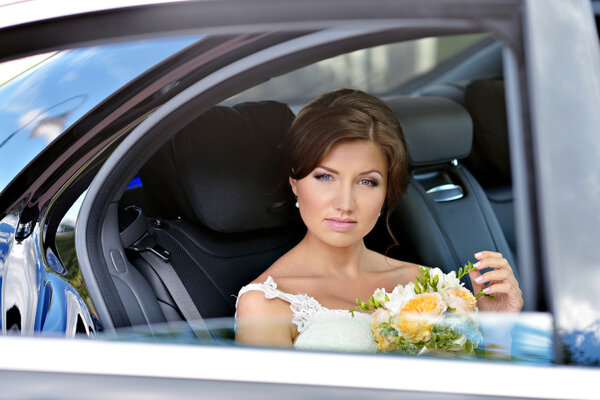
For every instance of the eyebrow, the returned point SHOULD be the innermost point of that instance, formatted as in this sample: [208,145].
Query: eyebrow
[333,171]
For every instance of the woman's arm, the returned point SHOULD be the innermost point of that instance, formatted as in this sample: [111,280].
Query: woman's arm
[262,321]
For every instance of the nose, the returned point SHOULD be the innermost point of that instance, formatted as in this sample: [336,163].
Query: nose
[344,199]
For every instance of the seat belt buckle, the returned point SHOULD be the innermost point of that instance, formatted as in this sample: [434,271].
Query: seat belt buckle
[148,243]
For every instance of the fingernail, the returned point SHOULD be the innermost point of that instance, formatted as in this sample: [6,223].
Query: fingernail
[477,255]
[487,289]
[477,264]
[478,280]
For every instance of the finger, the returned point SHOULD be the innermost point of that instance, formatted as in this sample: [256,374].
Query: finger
[499,288]
[474,275]
[492,262]
[499,275]
[486,253]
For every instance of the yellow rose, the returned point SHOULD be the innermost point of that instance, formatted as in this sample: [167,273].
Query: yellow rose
[418,315]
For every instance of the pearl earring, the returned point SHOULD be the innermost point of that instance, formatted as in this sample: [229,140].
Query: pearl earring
[379,214]
[297,205]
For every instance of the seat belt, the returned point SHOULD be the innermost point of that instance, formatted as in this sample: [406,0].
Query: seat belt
[137,238]
[180,295]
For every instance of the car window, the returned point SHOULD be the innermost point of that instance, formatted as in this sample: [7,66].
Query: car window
[523,338]
[381,70]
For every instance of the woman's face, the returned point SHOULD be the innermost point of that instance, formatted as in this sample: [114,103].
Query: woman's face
[340,200]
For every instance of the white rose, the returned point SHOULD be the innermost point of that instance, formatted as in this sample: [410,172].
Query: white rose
[379,296]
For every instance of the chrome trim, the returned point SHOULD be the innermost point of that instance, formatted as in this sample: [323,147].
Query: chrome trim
[447,192]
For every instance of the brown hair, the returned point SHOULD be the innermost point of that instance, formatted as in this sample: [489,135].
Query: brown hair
[347,115]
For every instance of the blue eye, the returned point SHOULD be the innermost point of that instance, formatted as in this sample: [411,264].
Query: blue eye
[324,177]
[368,182]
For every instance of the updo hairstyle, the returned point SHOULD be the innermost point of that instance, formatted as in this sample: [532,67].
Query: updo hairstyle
[347,115]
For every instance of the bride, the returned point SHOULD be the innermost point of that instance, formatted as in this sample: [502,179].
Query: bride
[347,160]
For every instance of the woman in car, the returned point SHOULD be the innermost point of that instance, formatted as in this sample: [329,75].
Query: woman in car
[348,160]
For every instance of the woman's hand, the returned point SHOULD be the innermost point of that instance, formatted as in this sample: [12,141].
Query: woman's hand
[502,283]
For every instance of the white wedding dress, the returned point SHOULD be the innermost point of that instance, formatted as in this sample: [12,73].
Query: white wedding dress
[320,328]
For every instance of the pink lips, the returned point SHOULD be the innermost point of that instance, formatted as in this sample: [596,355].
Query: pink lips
[340,224]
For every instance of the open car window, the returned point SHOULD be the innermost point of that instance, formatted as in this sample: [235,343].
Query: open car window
[184,218]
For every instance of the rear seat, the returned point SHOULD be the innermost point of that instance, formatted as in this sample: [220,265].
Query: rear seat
[489,161]
[445,216]
[216,186]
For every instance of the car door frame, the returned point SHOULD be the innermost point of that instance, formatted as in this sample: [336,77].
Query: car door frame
[529,129]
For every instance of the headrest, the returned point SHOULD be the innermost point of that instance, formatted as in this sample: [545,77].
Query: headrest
[224,169]
[490,159]
[437,130]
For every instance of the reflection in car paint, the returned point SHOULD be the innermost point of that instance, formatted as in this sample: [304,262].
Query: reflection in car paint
[19,286]
[57,309]
[37,107]
[7,230]
[51,122]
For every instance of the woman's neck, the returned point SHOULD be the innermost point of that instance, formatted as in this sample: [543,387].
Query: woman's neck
[329,259]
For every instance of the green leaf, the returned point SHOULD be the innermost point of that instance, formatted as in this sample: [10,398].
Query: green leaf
[484,294]
[468,267]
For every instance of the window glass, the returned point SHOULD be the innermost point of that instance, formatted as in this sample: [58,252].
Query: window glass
[378,70]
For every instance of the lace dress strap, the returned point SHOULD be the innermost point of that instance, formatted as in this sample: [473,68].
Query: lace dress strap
[302,305]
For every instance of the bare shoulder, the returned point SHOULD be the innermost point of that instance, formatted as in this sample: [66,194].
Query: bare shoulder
[254,304]
[402,271]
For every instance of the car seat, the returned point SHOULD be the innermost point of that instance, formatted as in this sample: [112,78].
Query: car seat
[223,215]
[489,160]
[444,216]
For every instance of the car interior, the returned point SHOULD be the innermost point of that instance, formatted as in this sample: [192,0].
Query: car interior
[211,209]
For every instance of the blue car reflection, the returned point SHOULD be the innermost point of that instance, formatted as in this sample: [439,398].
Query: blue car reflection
[38,105]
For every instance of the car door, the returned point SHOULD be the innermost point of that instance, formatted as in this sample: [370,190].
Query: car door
[557,247]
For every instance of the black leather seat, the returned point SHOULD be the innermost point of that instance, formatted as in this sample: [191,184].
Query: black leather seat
[445,216]
[222,210]
[490,159]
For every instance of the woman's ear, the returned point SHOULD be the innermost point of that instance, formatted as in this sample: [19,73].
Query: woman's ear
[294,185]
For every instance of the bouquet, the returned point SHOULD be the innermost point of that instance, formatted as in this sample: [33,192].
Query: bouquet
[435,313]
